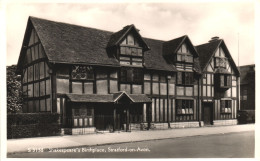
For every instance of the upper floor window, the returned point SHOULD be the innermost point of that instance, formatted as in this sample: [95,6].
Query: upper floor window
[82,72]
[185,78]
[225,80]
[131,75]
[130,52]
[220,58]
[184,55]
[220,62]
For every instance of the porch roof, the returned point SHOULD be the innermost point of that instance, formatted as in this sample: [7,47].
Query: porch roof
[107,98]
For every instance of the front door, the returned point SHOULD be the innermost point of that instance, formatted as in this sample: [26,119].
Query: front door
[208,113]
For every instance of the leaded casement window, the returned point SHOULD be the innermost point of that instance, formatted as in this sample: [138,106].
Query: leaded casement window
[225,80]
[225,106]
[184,107]
[220,59]
[130,52]
[131,75]
[185,78]
[220,62]
[82,72]
[184,59]
[82,79]
[83,117]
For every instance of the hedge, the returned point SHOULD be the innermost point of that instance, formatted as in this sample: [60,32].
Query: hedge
[22,125]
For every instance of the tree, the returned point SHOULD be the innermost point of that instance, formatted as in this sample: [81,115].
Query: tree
[14,91]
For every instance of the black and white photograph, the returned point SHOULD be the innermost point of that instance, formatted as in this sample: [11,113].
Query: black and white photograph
[128,80]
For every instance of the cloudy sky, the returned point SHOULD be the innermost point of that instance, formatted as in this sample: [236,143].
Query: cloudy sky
[164,21]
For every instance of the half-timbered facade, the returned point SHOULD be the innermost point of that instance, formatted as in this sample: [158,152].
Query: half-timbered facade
[219,83]
[99,80]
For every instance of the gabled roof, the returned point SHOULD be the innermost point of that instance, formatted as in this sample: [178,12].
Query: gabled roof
[154,59]
[117,37]
[172,46]
[206,53]
[72,44]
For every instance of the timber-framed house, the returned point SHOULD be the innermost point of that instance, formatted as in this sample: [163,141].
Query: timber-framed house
[100,80]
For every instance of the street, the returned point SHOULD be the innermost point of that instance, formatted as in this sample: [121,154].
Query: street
[231,145]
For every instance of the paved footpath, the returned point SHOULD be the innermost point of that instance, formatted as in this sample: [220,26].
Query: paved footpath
[22,145]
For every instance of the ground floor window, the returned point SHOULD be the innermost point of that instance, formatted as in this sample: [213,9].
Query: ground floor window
[184,107]
[225,106]
[82,117]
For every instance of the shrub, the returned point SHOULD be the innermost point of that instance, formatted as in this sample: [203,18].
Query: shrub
[32,124]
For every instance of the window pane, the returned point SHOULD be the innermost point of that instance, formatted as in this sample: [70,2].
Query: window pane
[40,51]
[125,62]
[42,88]
[41,70]
[46,70]
[30,90]
[113,74]
[101,75]
[48,104]
[77,87]
[42,105]
[147,77]
[36,89]
[222,80]
[140,53]
[30,106]
[179,78]
[36,105]
[25,75]
[134,52]
[101,87]
[75,122]
[155,77]
[88,87]
[189,58]
[48,87]
[30,73]
[129,75]
[90,121]
[36,51]
[33,54]
[128,51]
[36,72]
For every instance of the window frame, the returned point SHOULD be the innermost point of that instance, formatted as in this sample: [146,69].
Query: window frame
[184,81]
[184,107]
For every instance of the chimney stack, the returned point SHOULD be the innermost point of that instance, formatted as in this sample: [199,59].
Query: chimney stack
[214,38]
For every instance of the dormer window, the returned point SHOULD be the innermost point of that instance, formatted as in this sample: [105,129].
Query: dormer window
[130,52]
[183,55]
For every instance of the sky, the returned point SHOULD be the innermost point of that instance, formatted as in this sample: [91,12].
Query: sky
[232,21]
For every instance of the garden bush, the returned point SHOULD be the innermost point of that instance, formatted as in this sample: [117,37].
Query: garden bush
[22,125]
